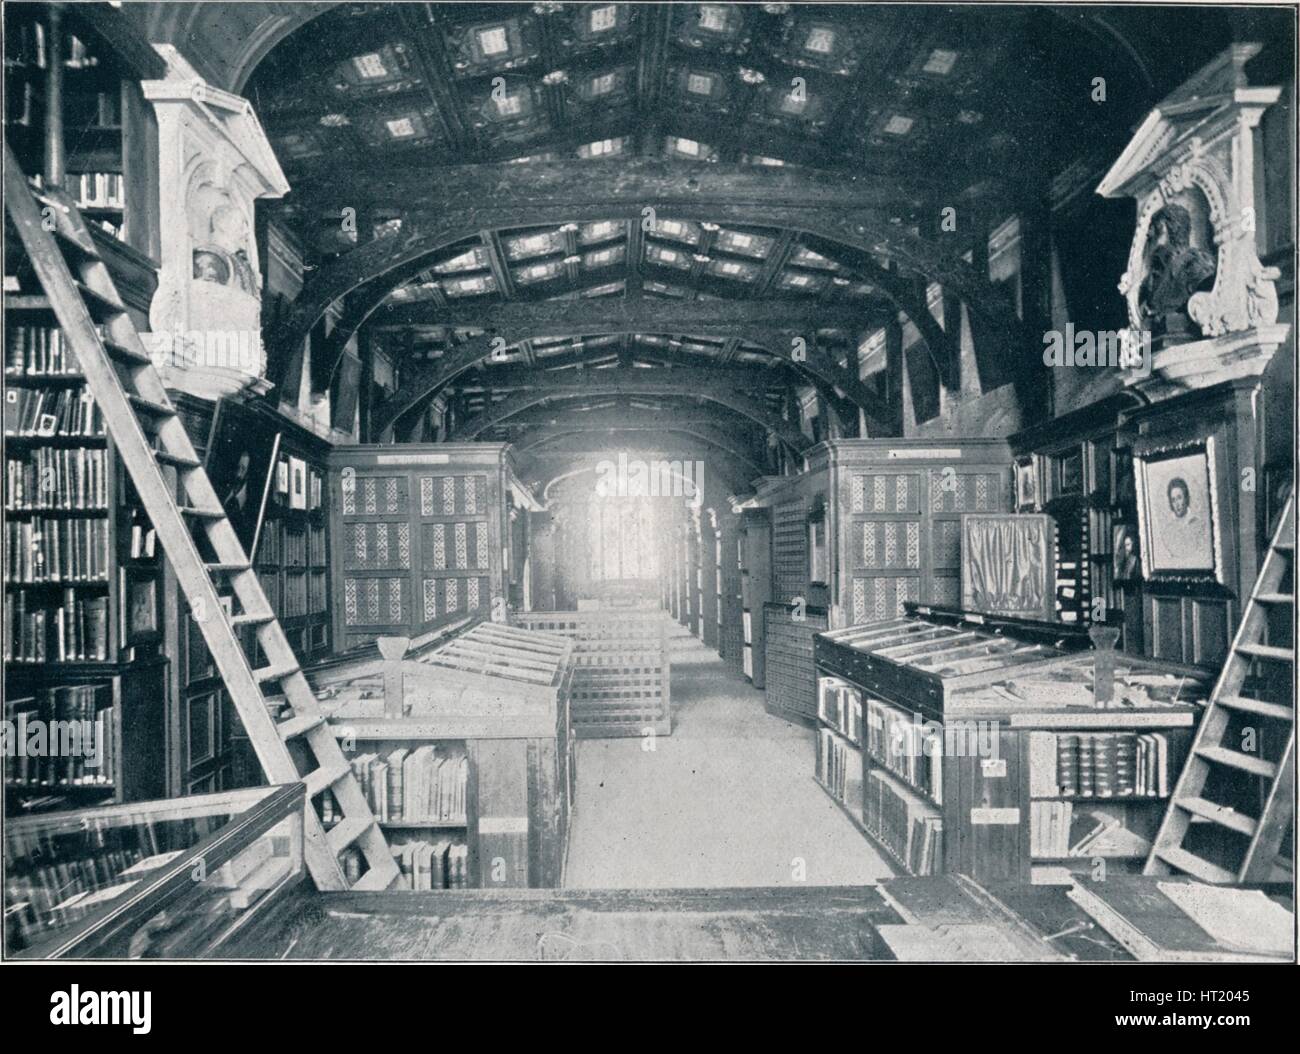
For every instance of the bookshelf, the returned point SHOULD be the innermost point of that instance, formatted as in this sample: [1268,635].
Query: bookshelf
[998,751]
[81,581]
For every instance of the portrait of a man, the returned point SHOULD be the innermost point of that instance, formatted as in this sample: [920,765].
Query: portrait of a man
[1178,517]
[242,452]
[1128,564]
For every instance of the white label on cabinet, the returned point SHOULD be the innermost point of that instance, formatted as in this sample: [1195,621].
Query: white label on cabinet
[995,817]
[993,768]
[938,453]
[412,459]
[503,825]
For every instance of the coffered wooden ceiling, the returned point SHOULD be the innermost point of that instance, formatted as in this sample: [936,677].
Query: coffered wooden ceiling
[927,105]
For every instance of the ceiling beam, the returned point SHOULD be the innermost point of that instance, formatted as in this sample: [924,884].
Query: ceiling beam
[616,437]
[429,190]
[516,378]
[635,314]
[422,383]
[635,382]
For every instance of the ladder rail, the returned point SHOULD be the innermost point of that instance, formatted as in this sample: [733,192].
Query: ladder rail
[1278,806]
[66,295]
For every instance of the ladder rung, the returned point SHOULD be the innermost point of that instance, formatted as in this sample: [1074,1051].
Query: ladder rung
[85,250]
[299,725]
[1285,544]
[100,307]
[1267,651]
[1257,706]
[1276,598]
[275,673]
[202,514]
[227,569]
[1237,760]
[252,619]
[125,354]
[1220,814]
[344,833]
[175,460]
[148,406]
[324,778]
[376,880]
[1194,865]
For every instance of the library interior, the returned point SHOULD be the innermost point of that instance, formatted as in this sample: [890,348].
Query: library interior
[644,481]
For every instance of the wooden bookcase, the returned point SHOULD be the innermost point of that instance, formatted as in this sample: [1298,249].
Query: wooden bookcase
[963,718]
[419,536]
[82,571]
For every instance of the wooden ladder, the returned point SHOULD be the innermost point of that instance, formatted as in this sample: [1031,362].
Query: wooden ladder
[147,433]
[1214,752]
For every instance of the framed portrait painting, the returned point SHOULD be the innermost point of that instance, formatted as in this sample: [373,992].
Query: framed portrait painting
[241,458]
[1178,516]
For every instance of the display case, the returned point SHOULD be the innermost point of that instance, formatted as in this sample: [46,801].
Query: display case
[1002,748]
[461,742]
[160,879]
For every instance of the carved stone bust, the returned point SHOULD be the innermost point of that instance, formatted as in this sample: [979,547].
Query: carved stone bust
[1175,271]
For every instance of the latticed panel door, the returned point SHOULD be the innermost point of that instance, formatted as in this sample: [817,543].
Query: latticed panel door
[886,527]
[376,551]
[456,545]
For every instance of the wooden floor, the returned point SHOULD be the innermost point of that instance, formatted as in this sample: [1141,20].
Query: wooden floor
[727,800]
[531,925]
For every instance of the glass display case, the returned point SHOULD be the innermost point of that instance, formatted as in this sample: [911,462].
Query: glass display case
[162,879]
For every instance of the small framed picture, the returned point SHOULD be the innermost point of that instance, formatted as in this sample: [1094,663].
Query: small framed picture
[314,490]
[297,483]
[1070,468]
[1125,553]
[282,476]
[1097,481]
[1027,497]
[1123,493]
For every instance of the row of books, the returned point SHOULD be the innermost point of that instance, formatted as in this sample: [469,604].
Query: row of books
[56,550]
[419,785]
[51,478]
[903,822]
[79,625]
[49,897]
[41,351]
[839,767]
[1099,764]
[907,747]
[1059,829]
[96,190]
[44,412]
[432,865]
[840,705]
[62,737]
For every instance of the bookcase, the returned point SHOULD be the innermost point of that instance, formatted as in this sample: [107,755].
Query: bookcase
[462,742]
[419,536]
[999,749]
[755,590]
[83,623]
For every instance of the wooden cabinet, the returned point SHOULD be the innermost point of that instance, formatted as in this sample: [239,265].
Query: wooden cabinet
[420,536]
